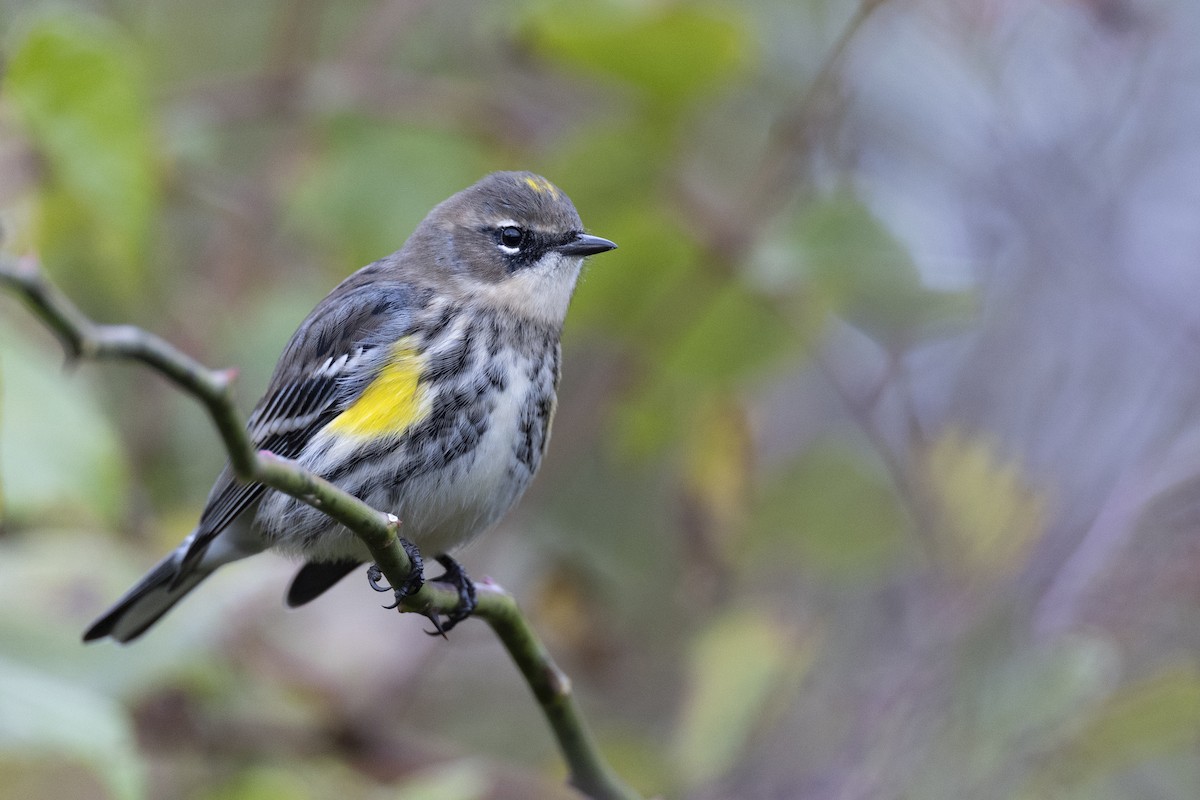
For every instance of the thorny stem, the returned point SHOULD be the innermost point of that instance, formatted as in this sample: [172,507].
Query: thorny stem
[82,338]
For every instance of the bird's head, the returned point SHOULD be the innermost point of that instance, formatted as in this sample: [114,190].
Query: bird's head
[513,240]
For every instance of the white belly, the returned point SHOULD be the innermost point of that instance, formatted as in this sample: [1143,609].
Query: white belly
[439,508]
[445,509]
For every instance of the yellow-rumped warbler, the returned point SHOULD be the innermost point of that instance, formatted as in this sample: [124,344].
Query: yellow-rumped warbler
[424,384]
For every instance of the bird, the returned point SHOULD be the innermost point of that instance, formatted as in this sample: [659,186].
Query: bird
[424,384]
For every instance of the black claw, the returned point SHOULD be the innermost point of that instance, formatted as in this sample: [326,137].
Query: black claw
[454,575]
[374,574]
[412,583]
[439,628]
[457,577]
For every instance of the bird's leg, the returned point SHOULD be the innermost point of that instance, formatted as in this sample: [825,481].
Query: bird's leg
[457,577]
[411,585]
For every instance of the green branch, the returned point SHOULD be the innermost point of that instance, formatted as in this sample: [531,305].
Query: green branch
[82,338]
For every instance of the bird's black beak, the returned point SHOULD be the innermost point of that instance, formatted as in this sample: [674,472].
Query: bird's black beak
[586,245]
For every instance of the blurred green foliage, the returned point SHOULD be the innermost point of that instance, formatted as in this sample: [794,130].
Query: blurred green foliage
[756,591]
[832,511]
[77,87]
[41,716]
[62,459]
[347,203]
[671,52]
[866,277]
[739,670]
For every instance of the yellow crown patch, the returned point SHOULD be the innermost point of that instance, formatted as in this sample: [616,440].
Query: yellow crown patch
[542,186]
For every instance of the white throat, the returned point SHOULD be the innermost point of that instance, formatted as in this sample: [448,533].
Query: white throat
[541,291]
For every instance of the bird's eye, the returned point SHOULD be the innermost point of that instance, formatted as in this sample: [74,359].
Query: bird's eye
[511,236]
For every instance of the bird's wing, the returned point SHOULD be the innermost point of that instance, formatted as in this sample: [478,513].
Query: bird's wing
[341,337]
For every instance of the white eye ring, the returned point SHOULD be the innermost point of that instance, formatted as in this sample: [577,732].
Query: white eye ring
[506,229]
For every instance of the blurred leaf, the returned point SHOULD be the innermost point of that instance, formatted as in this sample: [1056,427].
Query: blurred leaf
[59,457]
[41,716]
[373,182]
[49,592]
[636,754]
[672,51]
[721,339]
[743,665]
[867,277]
[311,779]
[1014,703]
[987,513]
[78,87]
[1146,720]
[736,333]
[653,418]
[634,293]
[831,512]
[267,784]
[616,168]
[717,466]
[1030,697]
[594,517]
[455,780]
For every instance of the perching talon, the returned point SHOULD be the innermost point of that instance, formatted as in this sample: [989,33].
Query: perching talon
[457,577]
[412,584]
[374,575]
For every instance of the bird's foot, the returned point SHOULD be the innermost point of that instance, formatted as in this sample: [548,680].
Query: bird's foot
[412,584]
[457,577]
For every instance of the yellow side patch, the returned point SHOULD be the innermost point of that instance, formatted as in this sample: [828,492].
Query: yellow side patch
[542,186]
[392,403]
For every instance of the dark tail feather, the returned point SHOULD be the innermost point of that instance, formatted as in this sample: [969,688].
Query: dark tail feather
[315,577]
[143,605]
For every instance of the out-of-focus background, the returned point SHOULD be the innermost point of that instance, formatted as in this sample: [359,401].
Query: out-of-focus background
[877,467]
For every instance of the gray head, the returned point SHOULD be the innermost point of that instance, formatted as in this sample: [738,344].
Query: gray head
[513,239]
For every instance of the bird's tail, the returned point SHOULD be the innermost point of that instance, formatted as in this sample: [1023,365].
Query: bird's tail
[154,595]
